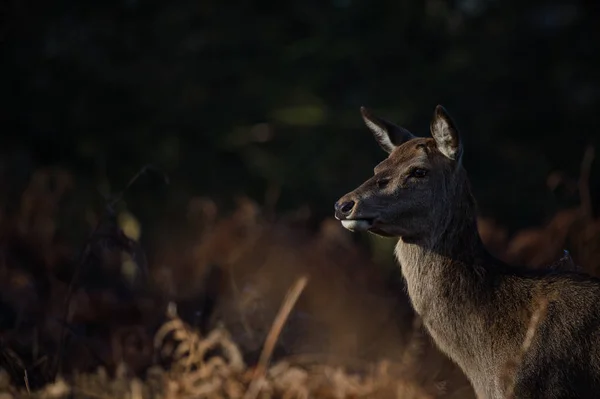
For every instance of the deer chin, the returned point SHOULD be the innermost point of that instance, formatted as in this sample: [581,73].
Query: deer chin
[379,232]
[357,224]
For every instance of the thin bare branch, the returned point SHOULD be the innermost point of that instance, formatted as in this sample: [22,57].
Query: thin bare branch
[288,303]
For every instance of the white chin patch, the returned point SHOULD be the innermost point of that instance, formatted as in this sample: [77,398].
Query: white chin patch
[356,225]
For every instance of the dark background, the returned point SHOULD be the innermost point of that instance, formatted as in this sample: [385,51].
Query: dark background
[260,99]
[249,97]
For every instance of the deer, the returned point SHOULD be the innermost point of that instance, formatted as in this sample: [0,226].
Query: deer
[477,309]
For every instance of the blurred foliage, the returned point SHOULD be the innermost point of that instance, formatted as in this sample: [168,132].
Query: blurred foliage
[261,96]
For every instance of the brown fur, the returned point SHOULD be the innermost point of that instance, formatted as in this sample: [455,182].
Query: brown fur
[476,307]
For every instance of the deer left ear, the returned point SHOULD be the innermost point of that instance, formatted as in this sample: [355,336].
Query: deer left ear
[388,135]
[445,133]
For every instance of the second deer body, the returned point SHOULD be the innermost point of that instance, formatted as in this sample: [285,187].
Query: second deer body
[477,309]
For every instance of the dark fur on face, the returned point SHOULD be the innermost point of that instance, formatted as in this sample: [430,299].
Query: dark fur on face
[404,196]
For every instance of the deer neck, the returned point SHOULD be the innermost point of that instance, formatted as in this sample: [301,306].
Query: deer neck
[450,279]
[445,271]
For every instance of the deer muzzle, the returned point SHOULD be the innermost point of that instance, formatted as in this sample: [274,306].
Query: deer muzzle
[344,210]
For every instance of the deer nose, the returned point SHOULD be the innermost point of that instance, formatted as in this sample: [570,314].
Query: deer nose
[345,207]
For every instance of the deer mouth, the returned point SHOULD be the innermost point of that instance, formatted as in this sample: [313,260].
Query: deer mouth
[358,224]
[364,224]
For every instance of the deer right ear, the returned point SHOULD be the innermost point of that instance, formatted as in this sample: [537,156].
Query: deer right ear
[388,135]
[445,133]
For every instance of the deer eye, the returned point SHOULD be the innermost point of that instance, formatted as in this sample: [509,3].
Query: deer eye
[383,182]
[419,172]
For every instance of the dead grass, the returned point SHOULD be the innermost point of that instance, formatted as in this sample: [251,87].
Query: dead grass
[197,374]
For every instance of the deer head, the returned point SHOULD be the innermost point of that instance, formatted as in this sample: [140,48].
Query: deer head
[408,194]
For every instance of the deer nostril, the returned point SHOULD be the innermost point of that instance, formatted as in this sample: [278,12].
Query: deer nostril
[346,207]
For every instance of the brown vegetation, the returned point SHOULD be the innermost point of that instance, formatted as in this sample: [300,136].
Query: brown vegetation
[94,318]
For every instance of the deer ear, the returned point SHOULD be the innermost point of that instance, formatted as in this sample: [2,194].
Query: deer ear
[444,132]
[388,135]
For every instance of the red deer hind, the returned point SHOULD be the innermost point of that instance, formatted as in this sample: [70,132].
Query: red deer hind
[476,308]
